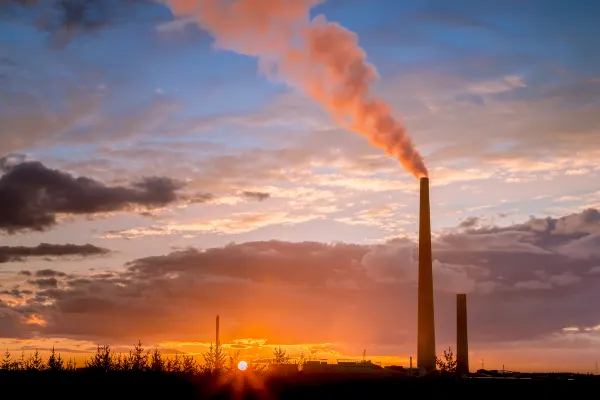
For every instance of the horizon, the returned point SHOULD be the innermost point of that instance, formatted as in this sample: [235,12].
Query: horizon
[155,173]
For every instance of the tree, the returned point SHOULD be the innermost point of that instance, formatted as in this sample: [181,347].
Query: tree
[173,364]
[7,363]
[103,360]
[55,362]
[35,362]
[22,363]
[448,364]
[280,356]
[157,362]
[301,359]
[138,358]
[234,359]
[214,360]
[71,365]
[189,365]
[256,368]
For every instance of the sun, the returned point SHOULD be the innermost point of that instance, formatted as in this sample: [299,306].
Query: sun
[242,365]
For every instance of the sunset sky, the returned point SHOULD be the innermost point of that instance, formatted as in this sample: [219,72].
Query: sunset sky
[151,179]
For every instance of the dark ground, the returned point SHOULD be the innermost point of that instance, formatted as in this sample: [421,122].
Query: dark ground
[25,385]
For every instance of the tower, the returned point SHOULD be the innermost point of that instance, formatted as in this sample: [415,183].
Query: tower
[217,346]
[426,326]
[462,341]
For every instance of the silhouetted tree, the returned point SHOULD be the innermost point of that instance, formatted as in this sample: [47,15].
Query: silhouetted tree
[448,364]
[103,360]
[173,364]
[55,362]
[257,368]
[214,360]
[189,365]
[71,365]
[280,356]
[22,363]
[35,362]
[7,362]
[138,358]
[301,359]
[233,361]
[157,362]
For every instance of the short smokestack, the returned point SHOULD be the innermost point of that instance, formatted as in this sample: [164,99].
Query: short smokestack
[426,326]
[217,345]
[462,341]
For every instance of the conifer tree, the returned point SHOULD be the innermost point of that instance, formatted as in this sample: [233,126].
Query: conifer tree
[189,365]
[102,360]
[55,362]
[138,358]
[71,365]
[214,360]
[35,362]
[157,362]
[280,356]
[7,363]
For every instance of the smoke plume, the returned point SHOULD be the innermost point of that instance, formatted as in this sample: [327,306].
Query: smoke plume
[321,58]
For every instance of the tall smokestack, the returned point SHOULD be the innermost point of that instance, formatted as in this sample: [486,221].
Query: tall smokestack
[462,341]
[426,327]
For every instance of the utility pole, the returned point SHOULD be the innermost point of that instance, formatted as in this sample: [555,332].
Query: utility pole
[596,367]
[481,362]
[364,354]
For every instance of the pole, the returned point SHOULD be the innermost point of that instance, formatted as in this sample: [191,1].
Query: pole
[217,345]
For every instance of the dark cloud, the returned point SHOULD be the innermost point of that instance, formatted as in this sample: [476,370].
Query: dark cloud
[44,283]
[49,273]
[65,19]
[453,19]
[31,195]
[260,196]
[470,222]
[19,253]
[524,283]
[16,293]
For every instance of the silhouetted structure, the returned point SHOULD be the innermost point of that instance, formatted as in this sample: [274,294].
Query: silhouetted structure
[217,359]
[462,341]
[426,327]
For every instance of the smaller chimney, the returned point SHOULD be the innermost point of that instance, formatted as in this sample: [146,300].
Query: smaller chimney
[217,345]
[462,341]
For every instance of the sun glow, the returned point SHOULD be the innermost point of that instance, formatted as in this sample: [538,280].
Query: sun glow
[242,365]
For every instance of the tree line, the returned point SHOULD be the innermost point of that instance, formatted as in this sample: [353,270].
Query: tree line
[138,359]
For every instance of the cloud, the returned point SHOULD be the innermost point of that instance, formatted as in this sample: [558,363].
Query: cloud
[32,196]
[44,283]
[385,217]
[19,253]
[509,273]
[470,222]
[49,273]
[234,224]
[260,196]
[64,19]
[507,83]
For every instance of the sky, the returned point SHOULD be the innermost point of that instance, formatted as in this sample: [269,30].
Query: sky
[156,173]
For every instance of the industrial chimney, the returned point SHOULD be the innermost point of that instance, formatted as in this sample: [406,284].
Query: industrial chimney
[217,345]
[426,327]
[462,342]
